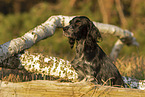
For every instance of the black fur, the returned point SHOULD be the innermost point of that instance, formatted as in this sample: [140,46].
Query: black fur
[90,61]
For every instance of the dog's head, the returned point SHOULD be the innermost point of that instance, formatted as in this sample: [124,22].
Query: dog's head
[81,28]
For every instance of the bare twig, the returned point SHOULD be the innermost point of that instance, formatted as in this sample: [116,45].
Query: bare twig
[103,11]
[121,14]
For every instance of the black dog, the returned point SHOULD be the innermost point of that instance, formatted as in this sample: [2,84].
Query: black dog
[90,61]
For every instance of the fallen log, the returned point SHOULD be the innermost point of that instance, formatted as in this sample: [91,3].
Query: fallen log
[45,88]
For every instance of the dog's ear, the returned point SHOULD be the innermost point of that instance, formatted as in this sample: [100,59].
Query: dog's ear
[71,42]
[94,32]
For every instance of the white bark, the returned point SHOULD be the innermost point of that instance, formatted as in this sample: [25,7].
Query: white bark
[33,36]
[47,65]
[47,29]
[116,49]
[118,46]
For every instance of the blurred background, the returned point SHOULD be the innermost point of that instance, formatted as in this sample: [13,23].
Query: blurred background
[19,16]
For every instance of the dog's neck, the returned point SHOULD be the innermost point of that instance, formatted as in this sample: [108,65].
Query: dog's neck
[80,48]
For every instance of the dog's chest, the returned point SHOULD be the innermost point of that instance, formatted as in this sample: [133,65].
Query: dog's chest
[80,47]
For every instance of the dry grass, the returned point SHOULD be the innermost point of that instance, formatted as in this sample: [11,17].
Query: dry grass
[132,67]
[14,75]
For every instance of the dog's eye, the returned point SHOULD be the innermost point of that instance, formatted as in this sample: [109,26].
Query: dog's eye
[78,23]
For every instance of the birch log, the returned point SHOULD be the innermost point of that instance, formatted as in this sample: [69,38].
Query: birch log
[40,32]
[47,29]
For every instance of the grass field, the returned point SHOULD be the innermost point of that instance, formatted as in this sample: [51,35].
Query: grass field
[132,66]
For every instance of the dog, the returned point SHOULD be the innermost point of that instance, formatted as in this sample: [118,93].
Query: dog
[91,63]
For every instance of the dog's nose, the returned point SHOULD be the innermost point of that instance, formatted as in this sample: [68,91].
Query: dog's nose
[65,28]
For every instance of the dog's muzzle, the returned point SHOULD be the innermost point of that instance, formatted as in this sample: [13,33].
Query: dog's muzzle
[68,31]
